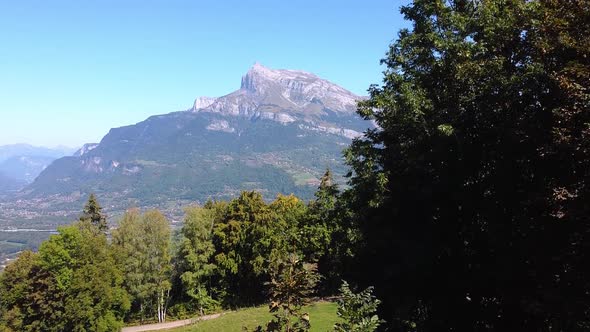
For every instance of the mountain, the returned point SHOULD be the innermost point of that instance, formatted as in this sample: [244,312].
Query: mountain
[277,134]
[9,184]
[21,163]
[25,168]
[20,150]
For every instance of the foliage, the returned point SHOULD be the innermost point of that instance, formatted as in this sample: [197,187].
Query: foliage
[196,253]
[142,243]
[328,234]
[244,239]
[470,193]
[291,284]
[358,311]
[317,230]
[72,284]
[15,285]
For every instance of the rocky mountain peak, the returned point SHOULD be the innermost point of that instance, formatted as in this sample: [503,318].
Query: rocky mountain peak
[293,92]
[259,77]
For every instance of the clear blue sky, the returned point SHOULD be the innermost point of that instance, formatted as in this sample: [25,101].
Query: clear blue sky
[71,70]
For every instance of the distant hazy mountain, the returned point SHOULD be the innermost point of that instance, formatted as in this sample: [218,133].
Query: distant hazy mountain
[21,163]
[20,150]
[24,168]
[8,184]
[276,134]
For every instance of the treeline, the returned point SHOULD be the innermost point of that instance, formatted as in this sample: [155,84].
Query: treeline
[224,256]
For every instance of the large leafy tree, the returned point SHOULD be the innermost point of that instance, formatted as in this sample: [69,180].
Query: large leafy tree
[250,237]
[15,286]
[72,284]
[241,251]
[142,242]
[286,235]
[196,254]
[470,191]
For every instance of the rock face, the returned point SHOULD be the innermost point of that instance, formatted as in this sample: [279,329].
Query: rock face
[285,96]
[203,102]
[85,149]
[277,134]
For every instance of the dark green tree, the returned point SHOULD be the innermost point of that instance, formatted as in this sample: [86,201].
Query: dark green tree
[243,245]
[320,223]
[250,238]
[472,191]
[328,234]
[93,213]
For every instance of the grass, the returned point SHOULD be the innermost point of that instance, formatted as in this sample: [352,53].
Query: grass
[322,317]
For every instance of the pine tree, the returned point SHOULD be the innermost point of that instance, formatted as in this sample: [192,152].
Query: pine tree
[93,213]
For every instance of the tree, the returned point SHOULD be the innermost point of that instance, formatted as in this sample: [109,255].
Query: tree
[96,299]
[93,213]
[469,192]
[328,234]
[320,222]
[285,235]
[142,243]
[129,245]
[72,284]
[196,251]
[15,285]
[243,243]
[291,284]
[357,311]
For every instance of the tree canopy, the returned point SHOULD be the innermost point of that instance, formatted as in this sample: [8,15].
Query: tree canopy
[469,191]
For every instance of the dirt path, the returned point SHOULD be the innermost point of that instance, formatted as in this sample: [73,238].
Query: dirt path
[170,325]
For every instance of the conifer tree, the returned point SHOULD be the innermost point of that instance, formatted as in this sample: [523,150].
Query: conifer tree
[93,213]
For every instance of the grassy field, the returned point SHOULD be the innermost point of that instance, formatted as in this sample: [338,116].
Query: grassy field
[322,316]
